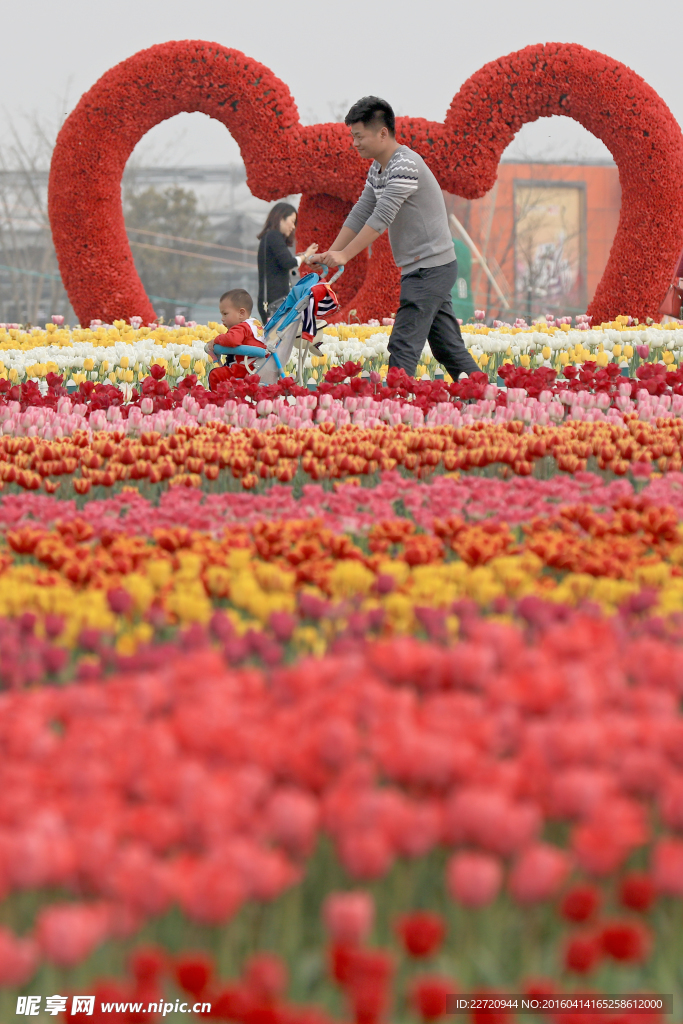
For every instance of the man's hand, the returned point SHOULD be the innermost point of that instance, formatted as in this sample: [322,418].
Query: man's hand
[332,259]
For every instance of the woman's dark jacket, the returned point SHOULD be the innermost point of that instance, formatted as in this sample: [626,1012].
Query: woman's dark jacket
[275,261]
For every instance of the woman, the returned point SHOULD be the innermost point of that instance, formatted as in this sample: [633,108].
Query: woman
[275,260]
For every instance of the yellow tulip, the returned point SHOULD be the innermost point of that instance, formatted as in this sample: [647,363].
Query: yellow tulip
[616,351]
[184,360]
[524,360]
[628,351]
[124,363]
[668,357]
[546,352]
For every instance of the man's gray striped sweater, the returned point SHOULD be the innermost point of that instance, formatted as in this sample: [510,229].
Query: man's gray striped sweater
[405,198]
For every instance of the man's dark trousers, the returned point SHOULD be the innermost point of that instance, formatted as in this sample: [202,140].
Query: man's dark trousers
[425,312]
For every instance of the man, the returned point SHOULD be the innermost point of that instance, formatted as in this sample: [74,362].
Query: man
[402,194]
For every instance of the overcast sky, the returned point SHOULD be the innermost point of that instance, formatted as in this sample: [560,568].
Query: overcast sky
[415,54]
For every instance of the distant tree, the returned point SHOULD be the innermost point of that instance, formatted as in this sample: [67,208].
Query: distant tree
[178,278]
[30,286]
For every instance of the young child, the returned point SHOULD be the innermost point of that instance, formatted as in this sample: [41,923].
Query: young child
[243,329]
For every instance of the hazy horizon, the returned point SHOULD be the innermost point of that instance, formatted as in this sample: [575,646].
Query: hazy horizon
[328,58]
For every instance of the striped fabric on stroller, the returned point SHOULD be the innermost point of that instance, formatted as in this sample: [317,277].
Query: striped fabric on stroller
[296,318]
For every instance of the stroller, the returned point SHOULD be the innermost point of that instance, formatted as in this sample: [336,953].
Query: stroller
[296,318]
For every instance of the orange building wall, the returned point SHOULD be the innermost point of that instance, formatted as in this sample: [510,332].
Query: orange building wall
[602,206]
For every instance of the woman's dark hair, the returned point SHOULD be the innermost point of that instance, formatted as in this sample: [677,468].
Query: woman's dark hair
[371,110]
[277,214]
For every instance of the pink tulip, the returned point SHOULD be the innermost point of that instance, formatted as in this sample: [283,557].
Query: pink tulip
[474,879]
[292,816]
[57,319]
[18,959]
[480,314]
[539,873]
[68,933]
[349,916]
[667,866]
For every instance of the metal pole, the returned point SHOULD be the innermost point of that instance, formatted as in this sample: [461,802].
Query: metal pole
[480,259]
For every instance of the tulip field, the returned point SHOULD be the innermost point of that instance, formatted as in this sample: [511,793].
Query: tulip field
[325,702]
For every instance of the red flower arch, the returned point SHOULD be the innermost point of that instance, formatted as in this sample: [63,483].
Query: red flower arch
[283,157]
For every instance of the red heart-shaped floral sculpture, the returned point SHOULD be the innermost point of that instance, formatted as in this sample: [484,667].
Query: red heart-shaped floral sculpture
[283,157]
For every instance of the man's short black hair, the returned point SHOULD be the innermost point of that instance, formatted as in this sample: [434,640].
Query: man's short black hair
[239,298]
[371,110]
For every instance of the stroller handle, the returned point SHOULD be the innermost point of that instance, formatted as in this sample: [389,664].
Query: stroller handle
[326,270]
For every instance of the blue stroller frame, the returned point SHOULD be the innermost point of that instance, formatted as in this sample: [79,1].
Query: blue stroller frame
[281,331]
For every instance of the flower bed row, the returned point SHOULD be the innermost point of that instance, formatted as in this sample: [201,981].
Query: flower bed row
[122,354]
[528,397]
[111,583]
[501,772]
[219,458]
[482,669]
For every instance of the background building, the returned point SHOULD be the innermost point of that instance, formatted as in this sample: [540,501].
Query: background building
[544,233]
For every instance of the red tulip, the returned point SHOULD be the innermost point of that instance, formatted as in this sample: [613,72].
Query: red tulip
[368,985]
[341,961]
[625,941]
[266,976]
[583,953]
[538,987]
[580,903]
[193,971]
[637,892]
[146,963]
[430,996]
[421,932]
